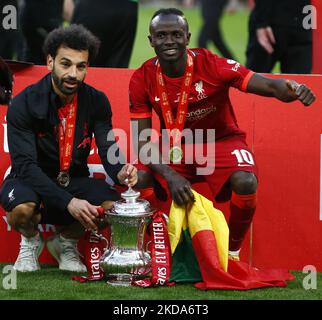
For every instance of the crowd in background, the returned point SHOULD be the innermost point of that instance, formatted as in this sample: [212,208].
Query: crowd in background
[114,21]
[275,32]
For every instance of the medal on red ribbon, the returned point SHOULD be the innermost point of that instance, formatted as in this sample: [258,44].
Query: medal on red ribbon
[175,125]
[66,134]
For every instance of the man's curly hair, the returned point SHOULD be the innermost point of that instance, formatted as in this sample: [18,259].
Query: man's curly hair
[75,36]
[6,80]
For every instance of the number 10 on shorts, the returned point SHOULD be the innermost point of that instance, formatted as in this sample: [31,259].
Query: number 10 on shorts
[244,157]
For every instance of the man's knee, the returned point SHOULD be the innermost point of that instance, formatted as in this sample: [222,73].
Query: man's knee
[243,182]
[22,214]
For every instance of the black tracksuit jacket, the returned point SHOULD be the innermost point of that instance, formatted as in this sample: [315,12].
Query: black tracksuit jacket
[278,13]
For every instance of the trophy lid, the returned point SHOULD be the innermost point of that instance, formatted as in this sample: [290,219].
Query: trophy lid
[130,205]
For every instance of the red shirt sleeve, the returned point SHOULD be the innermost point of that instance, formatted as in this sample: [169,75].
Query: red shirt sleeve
[233,74]
[140,106]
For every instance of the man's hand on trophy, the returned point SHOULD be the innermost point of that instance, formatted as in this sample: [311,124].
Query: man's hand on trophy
[128,175]
[6,81]
[84,212]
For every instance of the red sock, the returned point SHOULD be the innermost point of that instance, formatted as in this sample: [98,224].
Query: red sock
[242,209]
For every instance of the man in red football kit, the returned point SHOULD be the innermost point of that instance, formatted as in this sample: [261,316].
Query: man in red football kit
[188,89]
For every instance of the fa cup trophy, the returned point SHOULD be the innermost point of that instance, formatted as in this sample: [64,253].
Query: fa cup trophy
[126,260]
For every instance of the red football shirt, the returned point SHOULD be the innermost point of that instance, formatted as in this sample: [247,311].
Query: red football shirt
[209,106]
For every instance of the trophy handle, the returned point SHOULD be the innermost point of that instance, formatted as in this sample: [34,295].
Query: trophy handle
[100,236]
[107,243]
[147,249]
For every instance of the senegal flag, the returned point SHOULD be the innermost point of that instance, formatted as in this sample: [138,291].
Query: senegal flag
[199,244]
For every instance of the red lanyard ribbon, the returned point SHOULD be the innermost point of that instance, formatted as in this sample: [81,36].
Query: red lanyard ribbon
[66,133]
[167,114]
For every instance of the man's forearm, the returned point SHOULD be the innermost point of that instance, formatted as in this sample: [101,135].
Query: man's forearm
[285,90]
[149,154]
[281,90]
[164,170]
[269,87]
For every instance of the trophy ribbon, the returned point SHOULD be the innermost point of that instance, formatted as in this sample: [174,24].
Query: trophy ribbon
[95,246]
[161,255]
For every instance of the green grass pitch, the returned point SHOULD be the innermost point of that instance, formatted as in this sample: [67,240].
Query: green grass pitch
[53,284]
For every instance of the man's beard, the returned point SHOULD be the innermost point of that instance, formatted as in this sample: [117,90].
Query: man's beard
[59,83]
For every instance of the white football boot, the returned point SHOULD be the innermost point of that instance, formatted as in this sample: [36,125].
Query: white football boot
[66,253]
[30,250]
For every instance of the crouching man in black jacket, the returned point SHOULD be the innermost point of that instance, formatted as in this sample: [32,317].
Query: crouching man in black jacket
[50,130]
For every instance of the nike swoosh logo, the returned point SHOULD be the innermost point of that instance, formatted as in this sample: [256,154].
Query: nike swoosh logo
[156,99]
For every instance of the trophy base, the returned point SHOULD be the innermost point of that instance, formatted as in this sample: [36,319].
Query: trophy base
[121,279]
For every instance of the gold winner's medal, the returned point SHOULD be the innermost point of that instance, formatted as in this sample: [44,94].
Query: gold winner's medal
[175,154]
[172,124]
[63,179]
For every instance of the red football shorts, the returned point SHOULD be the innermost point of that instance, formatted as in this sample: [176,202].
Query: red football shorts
[213,163]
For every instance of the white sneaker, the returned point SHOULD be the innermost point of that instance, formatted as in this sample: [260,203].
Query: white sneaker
[66,253]
[30,250]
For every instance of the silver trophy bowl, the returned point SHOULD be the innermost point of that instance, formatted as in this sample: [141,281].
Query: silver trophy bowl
[126,260]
